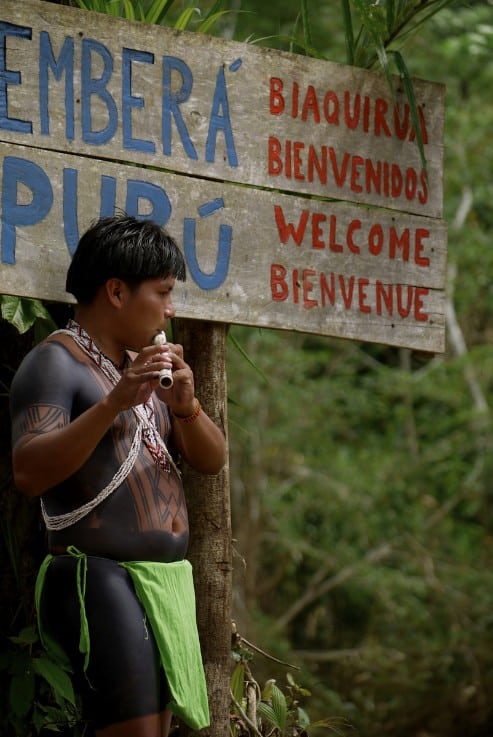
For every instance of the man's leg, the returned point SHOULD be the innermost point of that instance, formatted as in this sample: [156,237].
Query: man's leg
[165,723]
[156,725]
[125,691]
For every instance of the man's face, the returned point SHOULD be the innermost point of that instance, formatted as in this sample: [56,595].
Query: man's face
[146,310]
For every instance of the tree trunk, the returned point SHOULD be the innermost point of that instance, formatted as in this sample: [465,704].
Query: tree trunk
[208,501]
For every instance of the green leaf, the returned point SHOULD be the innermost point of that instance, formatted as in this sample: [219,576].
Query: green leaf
[267,712]
[58,679]
[302,717]
[305,17]
[216,10]
[211,19]
[348,31]
[238,681]
[53,719]
[411,98]
[113,8]
[390,15]
[279,706]
[267,690]
[21,693]
[158,11]
[38,719]
[184,18]
[129,10]
[27,636]
[373,18]
[22,312]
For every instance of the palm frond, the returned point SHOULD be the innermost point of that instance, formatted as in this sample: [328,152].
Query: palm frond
[411,98]
[348,31]
[128,10]
[216,8]
[183,20]
[374,21]
[158,11]
[305,19]
[412,22]
[390,13]
[211,19]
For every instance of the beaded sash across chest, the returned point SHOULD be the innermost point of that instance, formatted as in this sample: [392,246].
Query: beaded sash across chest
[146,432]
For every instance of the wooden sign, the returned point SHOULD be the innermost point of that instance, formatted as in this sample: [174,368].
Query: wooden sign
[335,228]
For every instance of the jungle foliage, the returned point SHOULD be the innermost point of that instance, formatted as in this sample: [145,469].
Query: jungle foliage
[361,474]
[362,505]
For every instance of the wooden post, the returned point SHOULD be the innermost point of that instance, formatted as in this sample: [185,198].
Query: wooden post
[204,345]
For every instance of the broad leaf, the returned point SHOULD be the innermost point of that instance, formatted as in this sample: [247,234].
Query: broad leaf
[266,712]
[22,313]
[27,636]
[21,693]
[58,679]
[238,681]
[280,707]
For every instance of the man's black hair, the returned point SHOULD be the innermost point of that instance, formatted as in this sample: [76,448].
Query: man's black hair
[126,248]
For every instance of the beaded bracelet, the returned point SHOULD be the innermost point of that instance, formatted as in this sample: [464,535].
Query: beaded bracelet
[194,415]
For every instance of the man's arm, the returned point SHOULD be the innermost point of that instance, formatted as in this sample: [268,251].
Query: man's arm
[49,448]
[201,443]
[199,440]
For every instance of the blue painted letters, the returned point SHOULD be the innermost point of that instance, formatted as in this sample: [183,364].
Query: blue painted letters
[172,100]
[220,122]
[7,76]
[19,171]
[65,64]
[93,86]
[130,101]
[214,280]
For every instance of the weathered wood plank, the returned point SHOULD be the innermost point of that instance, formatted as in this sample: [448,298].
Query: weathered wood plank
[92,84]
[253,257]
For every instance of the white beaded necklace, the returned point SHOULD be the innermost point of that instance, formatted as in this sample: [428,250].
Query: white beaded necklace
[146,432]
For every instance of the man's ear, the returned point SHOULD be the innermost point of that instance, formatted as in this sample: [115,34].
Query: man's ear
[115,290]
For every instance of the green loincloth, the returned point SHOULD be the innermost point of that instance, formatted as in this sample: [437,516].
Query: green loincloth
[167,595]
